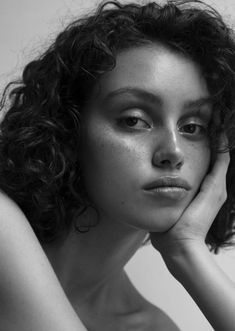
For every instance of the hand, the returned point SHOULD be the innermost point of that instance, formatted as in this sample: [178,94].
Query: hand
[193,225]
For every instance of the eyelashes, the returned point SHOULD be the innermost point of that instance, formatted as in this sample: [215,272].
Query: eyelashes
[194,128]
[135,123]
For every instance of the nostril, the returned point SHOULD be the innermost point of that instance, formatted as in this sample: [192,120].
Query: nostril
[168,163]
[165,162]
[173,161]
[179,165]
[168,154]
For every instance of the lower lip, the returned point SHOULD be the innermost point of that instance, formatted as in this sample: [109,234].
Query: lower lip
[173,193]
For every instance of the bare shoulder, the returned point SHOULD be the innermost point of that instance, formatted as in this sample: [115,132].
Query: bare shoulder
[159,320]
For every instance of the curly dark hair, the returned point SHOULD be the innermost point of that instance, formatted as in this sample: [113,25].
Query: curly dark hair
[40,133]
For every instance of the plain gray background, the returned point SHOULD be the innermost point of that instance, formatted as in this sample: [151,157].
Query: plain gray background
[26,27]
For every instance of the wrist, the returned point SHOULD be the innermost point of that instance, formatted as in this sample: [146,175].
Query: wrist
[183,257]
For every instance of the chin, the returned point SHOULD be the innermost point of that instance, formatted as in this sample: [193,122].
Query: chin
[161,221]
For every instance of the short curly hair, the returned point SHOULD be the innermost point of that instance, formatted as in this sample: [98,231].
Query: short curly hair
[40,133]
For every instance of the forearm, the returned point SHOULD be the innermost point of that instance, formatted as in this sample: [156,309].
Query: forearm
[31,297]
[207,284]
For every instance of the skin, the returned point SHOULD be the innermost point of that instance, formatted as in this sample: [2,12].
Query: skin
[117,162]
[130,141]
[92,276]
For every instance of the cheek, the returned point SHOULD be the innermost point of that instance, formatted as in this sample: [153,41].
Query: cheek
[108,163]
[198,157]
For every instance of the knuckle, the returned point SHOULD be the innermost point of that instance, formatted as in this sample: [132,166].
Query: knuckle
[222,197]
[225,195]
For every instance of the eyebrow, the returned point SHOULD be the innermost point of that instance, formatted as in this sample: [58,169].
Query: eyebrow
[153,98]
[136,92]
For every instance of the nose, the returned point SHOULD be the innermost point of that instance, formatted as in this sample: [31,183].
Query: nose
[168,152]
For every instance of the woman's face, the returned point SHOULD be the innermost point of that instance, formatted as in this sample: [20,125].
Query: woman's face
[145,146]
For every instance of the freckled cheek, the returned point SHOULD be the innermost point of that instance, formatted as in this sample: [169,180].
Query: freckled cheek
[198,160]
[108,160]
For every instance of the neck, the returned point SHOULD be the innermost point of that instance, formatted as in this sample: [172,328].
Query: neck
[85,263]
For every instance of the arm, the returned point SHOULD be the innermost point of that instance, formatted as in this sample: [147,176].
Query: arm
[31,297]
[187,257]
[207,284]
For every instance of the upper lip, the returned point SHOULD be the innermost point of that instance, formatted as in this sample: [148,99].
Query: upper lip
[168,181]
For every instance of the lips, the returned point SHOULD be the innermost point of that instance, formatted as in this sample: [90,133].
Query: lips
[168,181]
[168,190]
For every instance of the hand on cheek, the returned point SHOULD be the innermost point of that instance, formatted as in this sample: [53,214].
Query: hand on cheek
[196,220]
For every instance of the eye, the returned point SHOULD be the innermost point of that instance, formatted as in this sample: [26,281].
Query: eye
[193,129]
[134,122]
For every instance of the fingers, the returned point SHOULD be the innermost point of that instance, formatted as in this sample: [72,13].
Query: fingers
[217,177]
[213,193]
[224,146]
[215,182]
[198,216]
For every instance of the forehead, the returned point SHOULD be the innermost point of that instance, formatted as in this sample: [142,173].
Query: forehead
[156,69]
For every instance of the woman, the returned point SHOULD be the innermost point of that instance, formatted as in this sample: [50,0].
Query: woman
[118,130]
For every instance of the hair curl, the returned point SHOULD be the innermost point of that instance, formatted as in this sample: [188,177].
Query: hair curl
[40,133]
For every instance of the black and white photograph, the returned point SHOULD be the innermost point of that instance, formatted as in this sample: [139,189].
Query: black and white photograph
[117,165]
